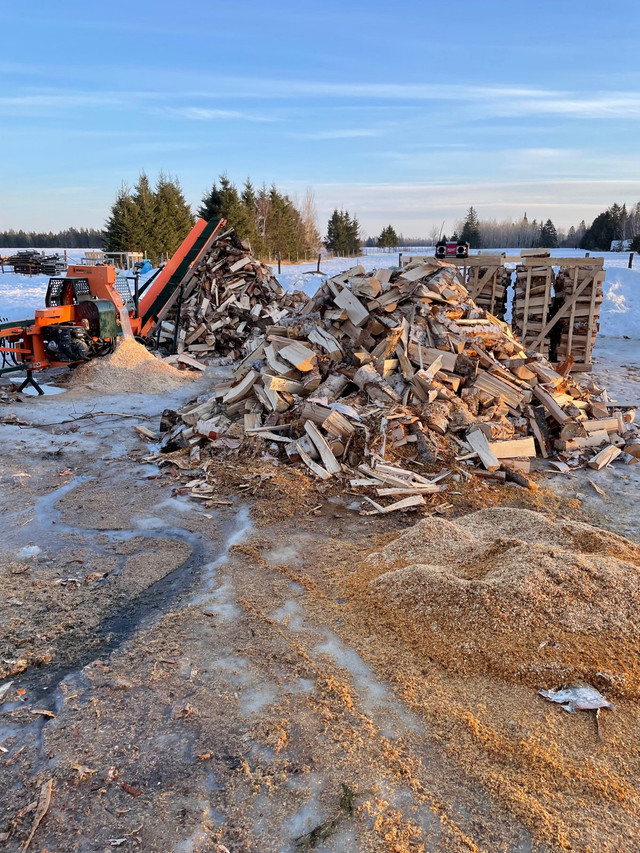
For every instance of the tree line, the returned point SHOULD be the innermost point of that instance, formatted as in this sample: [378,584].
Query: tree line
[155,219]
[615,223]
[272,222]
[70,238]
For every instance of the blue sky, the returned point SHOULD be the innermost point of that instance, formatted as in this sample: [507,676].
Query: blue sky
[401,112]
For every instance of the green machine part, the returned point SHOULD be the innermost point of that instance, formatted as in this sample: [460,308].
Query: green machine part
[102,317]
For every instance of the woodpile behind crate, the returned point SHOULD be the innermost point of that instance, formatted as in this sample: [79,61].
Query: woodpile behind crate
[578,326]
[487,280]
[545,315]
[531,303]
[382,377]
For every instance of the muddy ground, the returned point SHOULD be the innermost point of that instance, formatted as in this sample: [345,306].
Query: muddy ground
[210,677]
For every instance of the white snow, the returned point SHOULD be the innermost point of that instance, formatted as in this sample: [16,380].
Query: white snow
[20,295]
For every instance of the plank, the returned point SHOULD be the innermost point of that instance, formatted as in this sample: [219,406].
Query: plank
[513,448]
[356,311]
[478,442]
[604,458]
[326,454]
[318,470]
[550,405]
[302,358]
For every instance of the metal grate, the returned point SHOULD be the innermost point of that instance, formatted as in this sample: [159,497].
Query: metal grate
[122,286]
[56,289]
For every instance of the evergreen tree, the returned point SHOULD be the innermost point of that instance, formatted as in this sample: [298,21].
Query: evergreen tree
[211,204]
[249,201]
[173,218]
[224,201]
[282,232]
[388,238]
[548,235]
[142,237]
[120,225]
[600,233]
[471,229]
[343,233]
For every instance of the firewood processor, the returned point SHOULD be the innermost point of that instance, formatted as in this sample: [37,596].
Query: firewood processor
[89,308]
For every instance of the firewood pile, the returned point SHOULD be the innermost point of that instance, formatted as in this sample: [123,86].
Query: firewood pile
[578,328]
[492,295]
[229,302]
[531,311]
[382,378]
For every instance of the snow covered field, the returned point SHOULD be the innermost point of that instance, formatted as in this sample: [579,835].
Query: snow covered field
[20,295]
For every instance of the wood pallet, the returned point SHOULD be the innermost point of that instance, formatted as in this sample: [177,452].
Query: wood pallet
[581,287]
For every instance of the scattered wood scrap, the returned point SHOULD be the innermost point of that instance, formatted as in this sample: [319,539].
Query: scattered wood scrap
[379,374]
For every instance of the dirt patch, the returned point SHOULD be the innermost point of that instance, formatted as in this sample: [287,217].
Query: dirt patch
[52,604]
[132,369]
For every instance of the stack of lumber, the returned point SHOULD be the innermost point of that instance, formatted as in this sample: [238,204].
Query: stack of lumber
[579,325]
[493,283]
[380,371]
[531,304]
[227,303]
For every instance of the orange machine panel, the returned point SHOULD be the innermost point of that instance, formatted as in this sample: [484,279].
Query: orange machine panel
[100,278]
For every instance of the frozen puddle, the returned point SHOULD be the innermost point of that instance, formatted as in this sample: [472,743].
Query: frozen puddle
[374,695]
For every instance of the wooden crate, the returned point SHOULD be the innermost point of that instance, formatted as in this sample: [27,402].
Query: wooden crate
[558,315]
[532,302]
[579,288]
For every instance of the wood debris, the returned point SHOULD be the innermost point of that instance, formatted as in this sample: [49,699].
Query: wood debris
[227,300]
[391,368]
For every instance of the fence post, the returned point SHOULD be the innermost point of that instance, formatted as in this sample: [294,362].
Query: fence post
[630,260]
[278,259]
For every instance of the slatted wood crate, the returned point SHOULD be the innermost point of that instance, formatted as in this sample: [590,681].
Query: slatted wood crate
[531,303]
[580,290]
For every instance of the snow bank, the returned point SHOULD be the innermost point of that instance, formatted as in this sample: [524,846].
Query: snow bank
[620,309]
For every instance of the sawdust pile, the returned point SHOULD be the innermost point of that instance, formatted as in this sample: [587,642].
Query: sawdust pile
[131,368]
[508,592]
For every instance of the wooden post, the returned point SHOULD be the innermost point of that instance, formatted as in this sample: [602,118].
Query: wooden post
[400,259]
[525,317]
[572,315]
[630,260]
[279,265]
[592,311]
[318,267]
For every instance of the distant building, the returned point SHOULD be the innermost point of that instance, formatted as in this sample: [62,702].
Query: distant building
[620,246]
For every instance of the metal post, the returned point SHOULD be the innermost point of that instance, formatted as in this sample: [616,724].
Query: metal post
[630,260]
[278,258]
[318,267]
[400,259]
[177,328]
[136,295]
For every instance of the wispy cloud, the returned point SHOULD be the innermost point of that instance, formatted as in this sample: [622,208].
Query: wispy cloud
[497,100]
[355,133]
[36,103]
[206,114]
